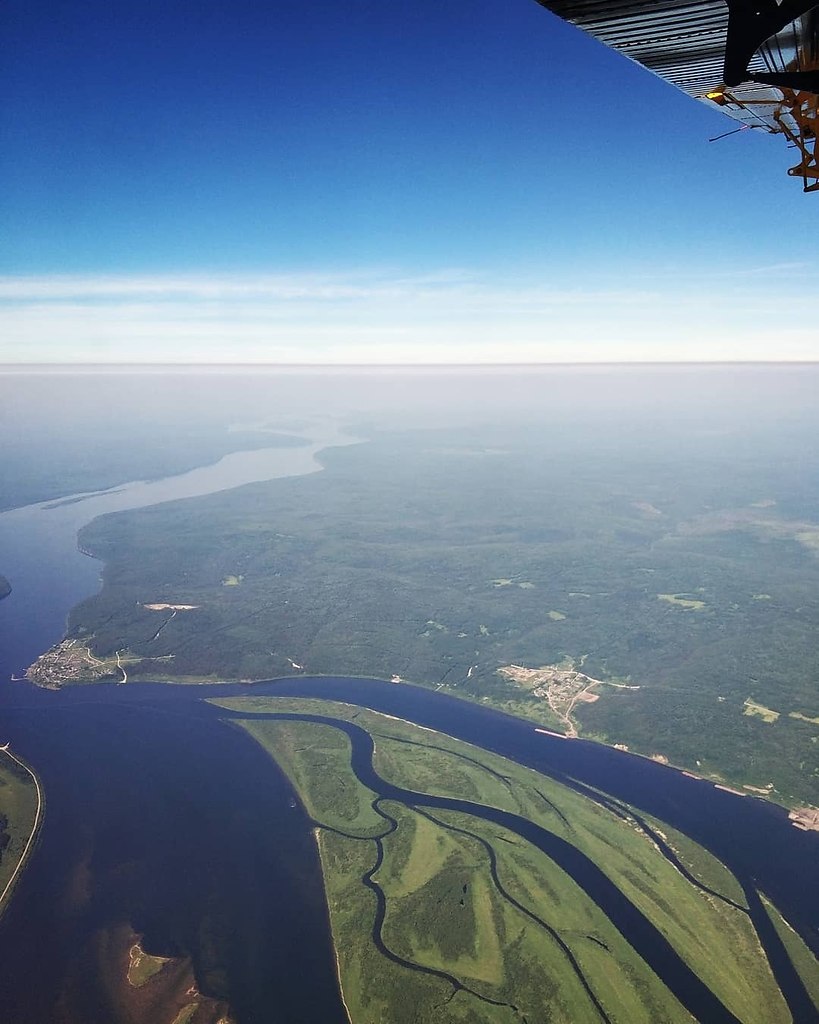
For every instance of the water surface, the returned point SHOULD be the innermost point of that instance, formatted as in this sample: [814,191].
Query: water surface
[161,816]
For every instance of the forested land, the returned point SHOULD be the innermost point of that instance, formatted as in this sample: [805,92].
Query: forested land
[679,565]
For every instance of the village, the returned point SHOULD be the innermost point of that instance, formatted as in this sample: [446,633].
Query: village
[71,661]
[561,686]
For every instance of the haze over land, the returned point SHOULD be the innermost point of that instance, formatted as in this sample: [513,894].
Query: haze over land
[624,554]
[330,349]
[650,534]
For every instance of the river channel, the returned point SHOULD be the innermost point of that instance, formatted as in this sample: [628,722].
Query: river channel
[164,818]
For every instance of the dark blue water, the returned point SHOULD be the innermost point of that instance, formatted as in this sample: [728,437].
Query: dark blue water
[187,831]
[172,825]
[161,816]
[183,830]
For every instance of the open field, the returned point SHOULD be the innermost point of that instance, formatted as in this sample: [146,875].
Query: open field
[406,557]
[477,913]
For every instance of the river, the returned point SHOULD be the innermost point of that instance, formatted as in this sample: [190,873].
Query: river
[161,816]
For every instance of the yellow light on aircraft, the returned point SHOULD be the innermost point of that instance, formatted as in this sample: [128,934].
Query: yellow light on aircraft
[714,95]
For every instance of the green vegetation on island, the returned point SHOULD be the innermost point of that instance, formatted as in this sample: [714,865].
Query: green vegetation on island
[20,816]
[801,957]
[478,924]
[440,558]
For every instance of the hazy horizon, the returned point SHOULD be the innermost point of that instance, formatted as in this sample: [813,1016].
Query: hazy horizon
[183,367]
[366,184]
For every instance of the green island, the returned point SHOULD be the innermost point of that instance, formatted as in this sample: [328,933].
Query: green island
[5,587]
[479,925]
[616,600]
[20,817]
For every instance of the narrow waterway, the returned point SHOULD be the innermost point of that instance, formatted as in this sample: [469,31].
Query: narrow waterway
[641,934]
[180,825]
[162,817]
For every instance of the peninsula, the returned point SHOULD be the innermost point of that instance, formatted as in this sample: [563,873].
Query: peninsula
[5,587]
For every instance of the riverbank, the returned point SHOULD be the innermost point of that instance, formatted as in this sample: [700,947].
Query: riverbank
[341,573]
[70,662]
[22,806]
[414,854]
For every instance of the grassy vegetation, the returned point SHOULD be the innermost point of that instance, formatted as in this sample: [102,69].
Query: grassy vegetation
[375,988]
[444,911]
[318,762]
[432,558]
[803,960]
[18,811]
[702,864]
[626,989]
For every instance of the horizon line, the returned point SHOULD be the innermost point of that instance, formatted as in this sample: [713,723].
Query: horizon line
[45,366]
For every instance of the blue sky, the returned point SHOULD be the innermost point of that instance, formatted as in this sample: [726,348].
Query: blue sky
[365,181]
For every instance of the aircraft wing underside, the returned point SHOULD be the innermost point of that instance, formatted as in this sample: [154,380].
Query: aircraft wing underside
[757,60]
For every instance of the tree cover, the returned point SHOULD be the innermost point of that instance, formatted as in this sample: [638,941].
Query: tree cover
[478,925]
[668,561]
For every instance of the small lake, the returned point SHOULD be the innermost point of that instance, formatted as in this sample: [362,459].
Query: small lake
[163,817]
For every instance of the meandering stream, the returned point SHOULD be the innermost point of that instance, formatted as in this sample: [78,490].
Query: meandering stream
[161,815]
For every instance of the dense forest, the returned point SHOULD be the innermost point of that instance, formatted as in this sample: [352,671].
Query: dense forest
[669,562]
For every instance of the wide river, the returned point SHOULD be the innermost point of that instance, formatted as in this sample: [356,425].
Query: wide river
[163,818]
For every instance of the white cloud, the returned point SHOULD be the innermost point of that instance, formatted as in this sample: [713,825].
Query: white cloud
[380,316]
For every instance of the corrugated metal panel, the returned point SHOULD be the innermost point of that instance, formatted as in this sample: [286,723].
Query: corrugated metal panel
[683,41]
[680,40]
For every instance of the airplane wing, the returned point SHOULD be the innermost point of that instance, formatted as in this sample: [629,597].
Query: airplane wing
[756,60]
